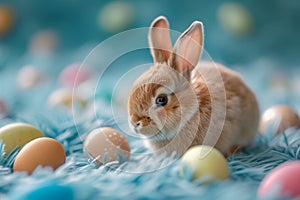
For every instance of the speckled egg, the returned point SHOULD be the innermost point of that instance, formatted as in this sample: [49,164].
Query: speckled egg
[6,19]
[278,118]
[74,74]
[107,145]
[283,181]
[204,162]
[29,77]
[16,135]
[45,152]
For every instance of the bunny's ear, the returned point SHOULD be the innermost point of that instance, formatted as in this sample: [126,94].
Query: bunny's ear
[188,48]
[159,40]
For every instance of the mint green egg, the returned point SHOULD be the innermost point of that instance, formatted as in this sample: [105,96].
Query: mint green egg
[235,19]
[116,16]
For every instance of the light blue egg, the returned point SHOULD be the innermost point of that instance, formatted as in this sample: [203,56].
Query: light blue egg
[48,192]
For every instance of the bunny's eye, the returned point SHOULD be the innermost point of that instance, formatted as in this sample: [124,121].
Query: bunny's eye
[161,100]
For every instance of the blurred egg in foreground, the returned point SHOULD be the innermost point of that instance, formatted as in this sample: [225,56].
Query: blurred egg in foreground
[282,182]
[116,16]
[48,191]
[107,145]
[279,118]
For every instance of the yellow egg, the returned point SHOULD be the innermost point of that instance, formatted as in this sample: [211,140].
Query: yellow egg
[204,162]
[6,19]
[45,152]
[278,118]
[66,97]
[106,145]
[16,135]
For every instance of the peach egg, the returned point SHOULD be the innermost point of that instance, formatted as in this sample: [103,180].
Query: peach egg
[6,19]
[279,118]
[45,152]
[107,145]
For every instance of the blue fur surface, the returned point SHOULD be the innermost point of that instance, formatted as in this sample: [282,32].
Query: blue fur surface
[269,63]
[80,178]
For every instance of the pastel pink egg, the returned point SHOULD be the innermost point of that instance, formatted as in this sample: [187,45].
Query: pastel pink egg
[75,74]
[283,181]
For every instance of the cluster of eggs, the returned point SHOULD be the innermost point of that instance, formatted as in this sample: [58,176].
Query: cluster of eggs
[37,150]
[207,163]
[105,145]
[73,79]
[283,181]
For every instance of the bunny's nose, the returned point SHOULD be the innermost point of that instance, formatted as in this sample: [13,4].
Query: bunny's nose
[144,121]
[138,124]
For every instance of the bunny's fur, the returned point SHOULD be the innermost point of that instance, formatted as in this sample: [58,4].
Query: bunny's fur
[207,102]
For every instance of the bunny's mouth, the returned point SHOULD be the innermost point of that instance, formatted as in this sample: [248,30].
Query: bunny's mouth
[152,132]
[159,135]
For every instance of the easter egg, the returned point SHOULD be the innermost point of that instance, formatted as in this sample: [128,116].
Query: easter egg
[49,191]
[278,118]
[204,162]
[3,109]
[235,18]
[16,135]
[66,97]
[45,152]
[75,74]
[29,77]
[107,145]
[44,42]
[116,16]
[283,181]
[6,20]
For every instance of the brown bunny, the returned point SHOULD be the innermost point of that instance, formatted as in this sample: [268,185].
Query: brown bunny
[179,103]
